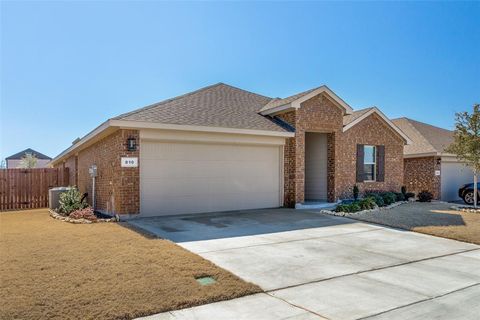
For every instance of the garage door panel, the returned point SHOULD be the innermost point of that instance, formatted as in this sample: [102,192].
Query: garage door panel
[207,169]
[453,176]
[216,152]
[188,186]
[178,178]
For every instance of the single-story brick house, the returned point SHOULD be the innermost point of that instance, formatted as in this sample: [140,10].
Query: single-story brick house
[427,165]
[223,148]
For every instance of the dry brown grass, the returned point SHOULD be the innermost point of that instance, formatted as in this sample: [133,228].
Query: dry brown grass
[53,269]
[469,232]
[434,218]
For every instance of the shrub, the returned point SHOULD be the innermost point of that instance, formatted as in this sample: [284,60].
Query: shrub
[425,196]
[367,204]
[399,196]
[388,198]
[376,198]
[355,192]
[70,201]
[86,213]
[403,190]
[352,207]
[342,208]
[409,195]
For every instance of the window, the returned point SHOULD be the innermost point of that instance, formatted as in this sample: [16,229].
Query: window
[369,163]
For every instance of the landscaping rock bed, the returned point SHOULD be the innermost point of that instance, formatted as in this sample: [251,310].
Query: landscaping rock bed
[58,216]
[352,214]
[466,209]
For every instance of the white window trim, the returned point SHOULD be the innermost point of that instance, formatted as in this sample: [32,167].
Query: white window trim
[374,163]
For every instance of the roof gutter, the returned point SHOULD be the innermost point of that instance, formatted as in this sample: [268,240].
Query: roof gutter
[428,154]
[128,124]
[296,104]
[89,136]
[384,118]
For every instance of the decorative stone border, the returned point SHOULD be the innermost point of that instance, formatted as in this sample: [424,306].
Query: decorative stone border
[58,216]
[352,214]
[465,209]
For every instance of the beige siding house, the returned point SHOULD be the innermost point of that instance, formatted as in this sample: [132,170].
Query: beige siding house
[14,161]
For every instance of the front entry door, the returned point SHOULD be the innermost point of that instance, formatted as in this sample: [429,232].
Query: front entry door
[316,161]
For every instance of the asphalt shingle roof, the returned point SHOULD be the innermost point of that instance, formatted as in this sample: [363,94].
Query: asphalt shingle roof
[276,102]
[219,105]
[355,115]
[425,138]
[21,154]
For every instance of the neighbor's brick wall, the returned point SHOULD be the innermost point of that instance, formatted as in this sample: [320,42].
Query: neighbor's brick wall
[117,189]
[419,175]
[372,131]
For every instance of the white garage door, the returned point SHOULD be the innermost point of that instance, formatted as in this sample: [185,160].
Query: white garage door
[181,178]
[453,176]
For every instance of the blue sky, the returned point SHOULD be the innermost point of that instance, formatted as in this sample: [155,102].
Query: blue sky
[68,66]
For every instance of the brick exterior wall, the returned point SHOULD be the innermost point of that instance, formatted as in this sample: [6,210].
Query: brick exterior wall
[289,163]
[371,131]
[319,114]
[420,175]
[71,164]
[117,188]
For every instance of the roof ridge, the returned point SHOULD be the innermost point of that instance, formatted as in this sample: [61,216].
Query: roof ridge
[364,109]
[240,89]
[420,134]
[186,95]
[167,100]
[427,124]
[37,154]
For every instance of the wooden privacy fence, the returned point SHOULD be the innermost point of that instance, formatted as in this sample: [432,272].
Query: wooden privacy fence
[28,188]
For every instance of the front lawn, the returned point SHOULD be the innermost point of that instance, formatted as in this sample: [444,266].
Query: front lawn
[435,218]
[53,269]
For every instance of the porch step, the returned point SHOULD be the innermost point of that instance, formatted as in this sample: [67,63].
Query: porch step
[317,205]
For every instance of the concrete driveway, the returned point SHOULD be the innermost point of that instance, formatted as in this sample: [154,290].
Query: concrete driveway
[314,266]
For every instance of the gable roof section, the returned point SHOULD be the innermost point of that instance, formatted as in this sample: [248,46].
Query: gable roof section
[349,118]
[219,105]
[293,102]
[358,116]
[21,154]
[426,139]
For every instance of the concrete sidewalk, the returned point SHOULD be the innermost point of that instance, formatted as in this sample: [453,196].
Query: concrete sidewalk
[343,270]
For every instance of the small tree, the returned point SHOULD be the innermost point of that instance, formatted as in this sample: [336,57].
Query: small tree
[467,143]
[355,192]
[28,161]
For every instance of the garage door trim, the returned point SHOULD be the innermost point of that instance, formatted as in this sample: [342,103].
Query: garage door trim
[193,138]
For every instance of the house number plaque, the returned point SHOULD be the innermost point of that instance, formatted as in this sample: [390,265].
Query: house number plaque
[129,162]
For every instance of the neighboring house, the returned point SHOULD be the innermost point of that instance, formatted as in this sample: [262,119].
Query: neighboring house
[14,160]
[223,148]
[427,165]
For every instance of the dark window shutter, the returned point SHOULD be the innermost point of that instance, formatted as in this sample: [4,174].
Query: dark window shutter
[380,163]
[360,153]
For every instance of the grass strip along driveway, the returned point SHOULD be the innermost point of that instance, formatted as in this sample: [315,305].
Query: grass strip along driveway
[435,218]
[53,269]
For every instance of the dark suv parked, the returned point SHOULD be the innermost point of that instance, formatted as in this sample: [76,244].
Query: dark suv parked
[466,193]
